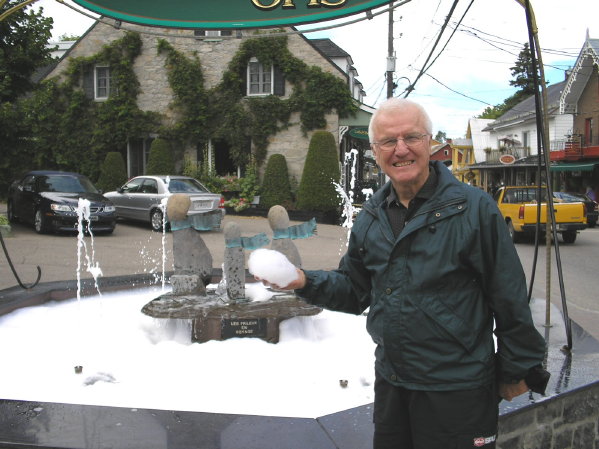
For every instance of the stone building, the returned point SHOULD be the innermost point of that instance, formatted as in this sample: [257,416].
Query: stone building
[215,50]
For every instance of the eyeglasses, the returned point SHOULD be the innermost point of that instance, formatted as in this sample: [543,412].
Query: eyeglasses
[410,141]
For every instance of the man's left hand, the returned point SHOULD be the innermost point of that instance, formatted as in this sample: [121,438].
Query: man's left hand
[510,391]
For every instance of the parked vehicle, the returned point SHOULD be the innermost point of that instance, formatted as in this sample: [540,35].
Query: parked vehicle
[49,201]
[141,198]
[591,206]
[519,207]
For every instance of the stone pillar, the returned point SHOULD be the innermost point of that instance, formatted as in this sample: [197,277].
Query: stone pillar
[234,262]
[191,257]
[278,219]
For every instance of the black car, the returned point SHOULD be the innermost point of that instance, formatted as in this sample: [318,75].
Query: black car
[49,200]
[590,205]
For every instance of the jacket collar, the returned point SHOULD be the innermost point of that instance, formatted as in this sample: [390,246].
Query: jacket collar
[449,189]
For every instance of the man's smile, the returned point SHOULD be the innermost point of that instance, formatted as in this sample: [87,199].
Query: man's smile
[403,163]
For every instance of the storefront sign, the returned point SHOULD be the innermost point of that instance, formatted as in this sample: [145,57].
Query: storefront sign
[219,14]
[507,159]
[359,132]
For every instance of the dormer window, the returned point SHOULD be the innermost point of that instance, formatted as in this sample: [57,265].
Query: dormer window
[259,78]
[212,33]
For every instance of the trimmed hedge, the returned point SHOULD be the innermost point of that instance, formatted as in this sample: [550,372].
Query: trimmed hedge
[160,160]
[276,189]
[316,190]
[113,173]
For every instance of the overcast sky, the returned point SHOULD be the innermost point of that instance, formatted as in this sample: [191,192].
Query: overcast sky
[472,72]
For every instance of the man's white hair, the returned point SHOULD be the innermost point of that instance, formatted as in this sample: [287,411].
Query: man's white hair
[398,104]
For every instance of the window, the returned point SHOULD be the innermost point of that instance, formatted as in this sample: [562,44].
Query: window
[102,82]
[260,78]
[588,131]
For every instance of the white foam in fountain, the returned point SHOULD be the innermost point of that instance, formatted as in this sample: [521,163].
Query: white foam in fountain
[130,361]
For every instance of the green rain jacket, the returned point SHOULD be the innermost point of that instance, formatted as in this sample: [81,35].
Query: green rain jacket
[435,291]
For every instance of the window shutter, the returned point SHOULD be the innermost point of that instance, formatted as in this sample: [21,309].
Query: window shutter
[279,82]
[88,81]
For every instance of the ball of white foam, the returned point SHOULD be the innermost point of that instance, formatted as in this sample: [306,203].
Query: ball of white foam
[272,266]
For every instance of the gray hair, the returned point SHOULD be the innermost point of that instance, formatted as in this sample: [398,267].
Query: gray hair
[397,104]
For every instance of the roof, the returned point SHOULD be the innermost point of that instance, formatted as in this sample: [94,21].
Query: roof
[330,48]
[526,109]
[580,75]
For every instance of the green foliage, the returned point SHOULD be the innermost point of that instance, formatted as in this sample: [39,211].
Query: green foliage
[315,93]
[160,160]
[23,38]
[113,173]
[73,132]
[522,73]
[523,79]
[276,188]
[316,190]
[4,220]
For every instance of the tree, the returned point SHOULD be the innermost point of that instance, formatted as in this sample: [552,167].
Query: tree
[441,136]
[160,160]
[113,173]
[276,189]
[523,79]
[523,74]
[24,36]
[316,190]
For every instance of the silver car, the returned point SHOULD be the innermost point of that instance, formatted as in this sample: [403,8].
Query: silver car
[141,198]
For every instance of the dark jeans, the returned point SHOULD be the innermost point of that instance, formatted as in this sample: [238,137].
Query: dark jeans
[414,419]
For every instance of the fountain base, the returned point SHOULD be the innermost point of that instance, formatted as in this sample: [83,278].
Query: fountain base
[213,319]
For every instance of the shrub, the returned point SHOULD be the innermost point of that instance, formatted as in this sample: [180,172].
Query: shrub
[316,190]
[276,189]
[112,173]
[160,160]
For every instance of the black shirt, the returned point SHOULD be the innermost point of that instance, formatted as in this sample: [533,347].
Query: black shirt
[398,214]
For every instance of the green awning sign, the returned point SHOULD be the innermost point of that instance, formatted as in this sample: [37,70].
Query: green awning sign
[574,166]
[359,132]
[224,14]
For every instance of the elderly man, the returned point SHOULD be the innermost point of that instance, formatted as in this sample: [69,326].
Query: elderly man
[432,260]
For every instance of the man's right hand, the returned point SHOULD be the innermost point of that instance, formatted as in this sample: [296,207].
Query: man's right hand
[298,283]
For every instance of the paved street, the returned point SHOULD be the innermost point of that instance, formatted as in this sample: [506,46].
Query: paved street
[135,249]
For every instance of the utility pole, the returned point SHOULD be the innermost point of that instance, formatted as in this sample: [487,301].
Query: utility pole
[390,55]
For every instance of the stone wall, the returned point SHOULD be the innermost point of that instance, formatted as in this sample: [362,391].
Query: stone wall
[567,421]
[214,54]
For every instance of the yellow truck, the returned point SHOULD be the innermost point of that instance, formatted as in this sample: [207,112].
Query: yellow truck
[519,206]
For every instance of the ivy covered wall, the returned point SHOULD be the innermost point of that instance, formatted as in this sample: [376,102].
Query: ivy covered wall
[167,86]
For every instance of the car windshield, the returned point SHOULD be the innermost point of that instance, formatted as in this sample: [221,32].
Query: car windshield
[66,183]
[187,185]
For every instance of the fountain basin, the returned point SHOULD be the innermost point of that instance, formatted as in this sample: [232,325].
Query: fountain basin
[570,405]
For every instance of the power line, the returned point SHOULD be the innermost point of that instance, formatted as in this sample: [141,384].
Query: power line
[452,9]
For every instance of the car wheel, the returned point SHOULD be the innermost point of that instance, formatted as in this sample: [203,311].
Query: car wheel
[10,212]
[513,234]
[569,236]
[39,223]
[156,220]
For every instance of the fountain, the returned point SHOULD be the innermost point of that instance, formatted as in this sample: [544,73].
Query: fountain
[219,315]
[44,421]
